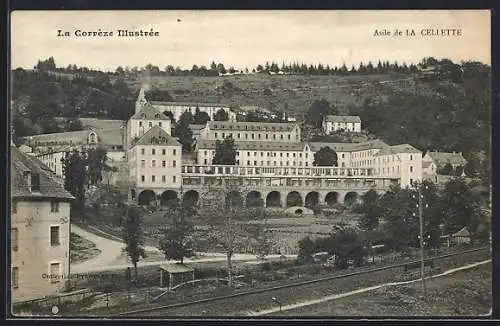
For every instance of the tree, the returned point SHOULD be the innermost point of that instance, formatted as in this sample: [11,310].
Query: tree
[133,237]
[96,161]
[325,157]
[347,245]
[306,249]
[228,231]
[446,170]
[221,115]
[74,124]
[317,111]
[401,215]
[371,211]
[177,237]
[170,115]
[75,178]
[459,205]
[200,118]
[46,65]
[183,132]
[225,152]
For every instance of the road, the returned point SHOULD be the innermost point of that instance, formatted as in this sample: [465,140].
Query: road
[111,257]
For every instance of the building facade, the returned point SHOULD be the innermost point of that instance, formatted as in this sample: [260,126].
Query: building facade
[40,229]
[143,120]
[333,123]
[434,161]
[155,162]
[251,131]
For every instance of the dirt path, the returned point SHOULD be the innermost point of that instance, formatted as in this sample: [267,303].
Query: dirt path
[342,295]
[111,257]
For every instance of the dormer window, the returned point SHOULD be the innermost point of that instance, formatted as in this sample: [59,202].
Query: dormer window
[143,116]
[92,138]
[157,115]
[35,182]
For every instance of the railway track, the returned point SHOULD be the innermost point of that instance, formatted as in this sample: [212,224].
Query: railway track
[314,287]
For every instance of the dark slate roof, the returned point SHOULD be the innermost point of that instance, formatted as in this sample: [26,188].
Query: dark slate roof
[149,112]
[101,123]
[398,149]
[190,104]
[255,145]
[349,147]
[442,158]
[343,118]
[250,126]
[113,136]
[50,187]
[157,136]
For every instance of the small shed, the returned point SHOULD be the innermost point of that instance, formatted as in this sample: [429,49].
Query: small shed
[175,274]
[460,237]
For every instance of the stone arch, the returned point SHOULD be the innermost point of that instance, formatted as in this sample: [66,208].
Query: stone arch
[351,197]
[294,199]
[234,199]
[273,199]
[146,197]
[332,198]
[254,199]
[312,199]
[168,198]
[190,198]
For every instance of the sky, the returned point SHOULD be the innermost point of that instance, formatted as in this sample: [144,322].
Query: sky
[246,38]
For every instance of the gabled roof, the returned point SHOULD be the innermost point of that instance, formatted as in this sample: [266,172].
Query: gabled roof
[343,118]
[149,112]
[250,126]
[113,136]
[157,136]
[21,163]
[463,232]
[398,149]
[442,158]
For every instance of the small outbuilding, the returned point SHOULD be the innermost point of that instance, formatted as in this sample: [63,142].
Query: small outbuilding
[175,274]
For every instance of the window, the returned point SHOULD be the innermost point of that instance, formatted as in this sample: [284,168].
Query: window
[54,206]
[143,163]
[35,182]
[174,152]
[163,178]
[153,151]
[267,136]
[223,135]
[153,163]
[254,153]
[289,137]
[343,155]
[294,154]
[153,178]
[411,181]
[174,179]
[54,236]
[258,136]
[14,239]
[248,153]
[274,136]
[15,277]
[143,151]
[215,135]
[281,137]
[150,124]
[248,162]
[411,168]
[246,136]
[253,136]
[411,157]
[143,178]
[54,272]
[163,164]
[174,163]
[239,135]
[14,206]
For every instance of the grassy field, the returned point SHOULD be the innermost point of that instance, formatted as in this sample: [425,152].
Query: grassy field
[464,293]
[272,92]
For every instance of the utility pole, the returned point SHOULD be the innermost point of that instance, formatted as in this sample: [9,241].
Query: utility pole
[421,237]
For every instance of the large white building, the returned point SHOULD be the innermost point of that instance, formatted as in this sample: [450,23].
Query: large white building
[333,123]
[155,161]
[178,108]
[143,120]
[251,131]
[40,229]
[401,161]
